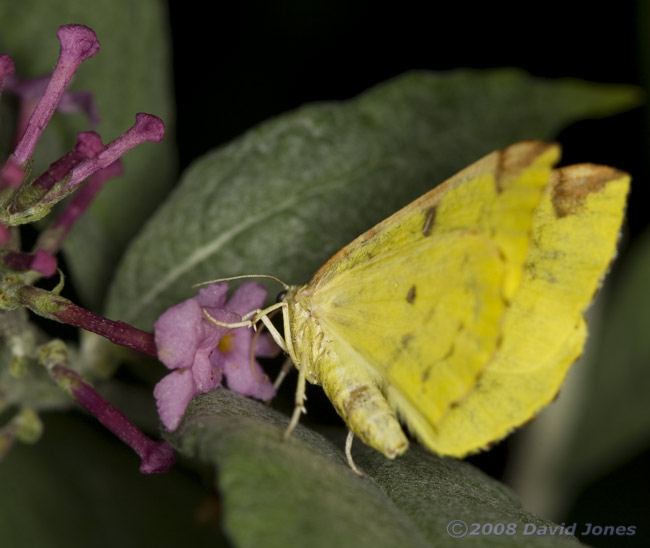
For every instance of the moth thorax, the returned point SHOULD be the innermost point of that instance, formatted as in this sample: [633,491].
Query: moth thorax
[307,334]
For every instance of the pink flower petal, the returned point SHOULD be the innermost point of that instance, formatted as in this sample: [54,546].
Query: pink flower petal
[44,263]
[206,376]
[241,344]
[179,331]
[248,379]
[221,315]
[265,346]
[213,295]
[173,394]
[187,339]
[247,297]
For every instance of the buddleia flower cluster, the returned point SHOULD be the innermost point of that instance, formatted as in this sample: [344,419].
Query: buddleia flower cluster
[38,372]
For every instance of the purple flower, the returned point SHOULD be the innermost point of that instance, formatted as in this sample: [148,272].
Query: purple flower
[78,43]
[157,457]
[30,90]
[25,199]
[201,353]
[90,163]
[41,261]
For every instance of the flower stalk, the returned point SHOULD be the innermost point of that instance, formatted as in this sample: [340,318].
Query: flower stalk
[26,199]
[156,456]
[78,43]
[51,239]
[146,128]
[40,261]
[33,201]
[57,308]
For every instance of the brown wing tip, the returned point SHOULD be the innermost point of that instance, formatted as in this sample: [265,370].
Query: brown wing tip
[519,156]
[529,147]
[571,185]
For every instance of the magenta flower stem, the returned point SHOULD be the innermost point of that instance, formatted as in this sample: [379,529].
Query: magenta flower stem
[157,457]
[147,127]
[54,307]
[30,90]
[88,145]
[41,261]
[17,260]
[78,43]
[50,240]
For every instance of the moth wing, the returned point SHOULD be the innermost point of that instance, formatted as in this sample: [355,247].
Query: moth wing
[419,299]
[574,237]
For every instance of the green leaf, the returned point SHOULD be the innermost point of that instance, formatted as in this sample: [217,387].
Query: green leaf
[130,74]
[614,416]
[288,194]
[80,487]
[301,492]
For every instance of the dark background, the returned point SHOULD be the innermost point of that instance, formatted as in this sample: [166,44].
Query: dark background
[238,65]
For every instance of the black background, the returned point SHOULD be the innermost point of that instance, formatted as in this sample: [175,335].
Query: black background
[237,65]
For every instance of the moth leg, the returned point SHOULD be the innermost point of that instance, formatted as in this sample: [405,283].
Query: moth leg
[279,340]
[348,454]
[286,367]
[299,405]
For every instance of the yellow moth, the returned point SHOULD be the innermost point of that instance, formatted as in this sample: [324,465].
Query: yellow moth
[461,313]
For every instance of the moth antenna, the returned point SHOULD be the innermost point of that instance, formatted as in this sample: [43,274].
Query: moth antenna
[286,286]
